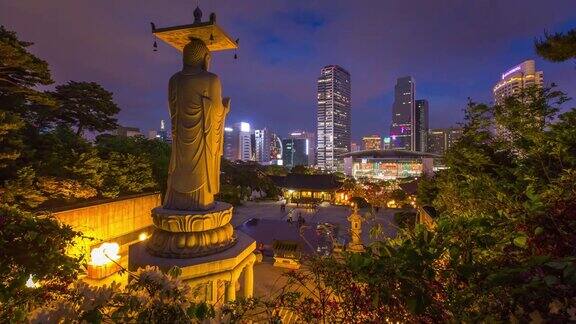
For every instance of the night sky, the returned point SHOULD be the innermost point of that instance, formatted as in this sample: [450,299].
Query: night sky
[454,50]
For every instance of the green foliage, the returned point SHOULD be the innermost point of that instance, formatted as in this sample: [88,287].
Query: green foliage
[276,170]
[506,202]
[33,245]
[20,73]
[127,173]
[10,140]
[302,169]
[86,106]
[360,202]
[405,219]
[239,179]
[427,191]
[399,196]
[557,47]
[154,153]
[22,191]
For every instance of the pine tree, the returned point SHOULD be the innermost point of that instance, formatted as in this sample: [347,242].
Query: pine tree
[557,47]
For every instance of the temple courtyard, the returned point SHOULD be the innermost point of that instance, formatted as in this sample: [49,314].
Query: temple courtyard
[266,222]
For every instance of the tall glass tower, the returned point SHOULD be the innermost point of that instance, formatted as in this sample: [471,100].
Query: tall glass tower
[421,125]
[334,117]
[403,115]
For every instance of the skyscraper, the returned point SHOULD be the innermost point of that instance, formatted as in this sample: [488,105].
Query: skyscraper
[372,142]
[163,133]
[334,116]
[354,147]
[310,144]
[421,125]
[263,141]
[403,114]
[294,152]
[517,78]
[441,139]
[237,142]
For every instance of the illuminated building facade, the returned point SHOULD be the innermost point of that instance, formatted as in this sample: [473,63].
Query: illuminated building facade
[123,131]
[441,139]
[403,114]
[515,79]
[333,116]
[386,143]
[308,188]
[421,125]
[263,140]
[295,152]
[354,147]
[310,144]
[389,164]
[372,142]
[237,142]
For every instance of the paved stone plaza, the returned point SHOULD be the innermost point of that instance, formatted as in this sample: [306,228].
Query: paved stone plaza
[272,224]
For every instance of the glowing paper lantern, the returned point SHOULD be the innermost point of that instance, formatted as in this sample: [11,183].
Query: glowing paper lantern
[105,253]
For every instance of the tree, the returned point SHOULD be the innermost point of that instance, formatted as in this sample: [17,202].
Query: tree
[302,169]
[557,47]
[126,174]
[155,152]
[33,247]
[20,73]
[10,139]
[64,158]
[86,106]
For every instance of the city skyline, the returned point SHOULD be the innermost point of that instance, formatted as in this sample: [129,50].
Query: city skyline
[296,43]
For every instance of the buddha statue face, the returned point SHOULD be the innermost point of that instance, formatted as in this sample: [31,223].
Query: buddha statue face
[196,54]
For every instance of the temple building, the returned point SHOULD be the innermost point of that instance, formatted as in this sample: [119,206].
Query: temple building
[308,188]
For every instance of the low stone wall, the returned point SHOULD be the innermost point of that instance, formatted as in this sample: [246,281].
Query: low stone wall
[120,220]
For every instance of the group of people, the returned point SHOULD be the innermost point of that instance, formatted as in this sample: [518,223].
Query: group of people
[290,218]
[299,221]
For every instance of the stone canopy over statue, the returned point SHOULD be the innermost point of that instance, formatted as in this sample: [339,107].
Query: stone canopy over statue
[197,112]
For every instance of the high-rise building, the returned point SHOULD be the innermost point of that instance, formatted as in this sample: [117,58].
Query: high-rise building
[515,79]
[334,117]
[372,142]
[437,141]
[126,131]
[263,141]
[354,147]
[453,135]
[387,143]
[163,134]
[294,151]
[421,125]
[310,144]
[441,139]
[153,134]
[276,149]
[403,114]
[237,142]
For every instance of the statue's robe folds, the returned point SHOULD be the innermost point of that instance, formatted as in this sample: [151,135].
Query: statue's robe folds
[197,116]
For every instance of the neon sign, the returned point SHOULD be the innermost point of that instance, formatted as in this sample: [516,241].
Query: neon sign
[514,69]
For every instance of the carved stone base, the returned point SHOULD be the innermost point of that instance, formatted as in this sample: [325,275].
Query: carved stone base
[185,234]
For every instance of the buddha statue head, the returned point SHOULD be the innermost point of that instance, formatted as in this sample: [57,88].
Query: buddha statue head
[196,54]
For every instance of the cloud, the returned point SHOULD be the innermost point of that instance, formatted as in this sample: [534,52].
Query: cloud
[454,49]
